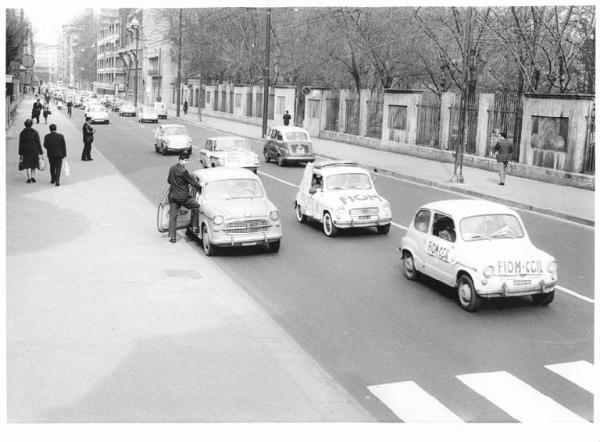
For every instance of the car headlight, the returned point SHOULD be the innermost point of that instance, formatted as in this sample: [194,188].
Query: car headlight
[274,215]
[218,220]
[220,161]
[488,272]
[340,212]
[552,267]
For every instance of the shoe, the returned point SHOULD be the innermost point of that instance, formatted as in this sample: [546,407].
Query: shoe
[57,183]
[90,159]
[173,240]
[28,180]
[52,182]
[502,184]
[33,180]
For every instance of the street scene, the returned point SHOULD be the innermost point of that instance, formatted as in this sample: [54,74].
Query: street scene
[198,251]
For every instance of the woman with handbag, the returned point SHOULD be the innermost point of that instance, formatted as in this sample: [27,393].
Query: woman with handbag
[30,149]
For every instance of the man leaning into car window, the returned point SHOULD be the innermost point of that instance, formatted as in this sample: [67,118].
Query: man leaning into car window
[179,195]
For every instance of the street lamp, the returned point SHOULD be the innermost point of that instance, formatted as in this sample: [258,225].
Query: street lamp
[134,28]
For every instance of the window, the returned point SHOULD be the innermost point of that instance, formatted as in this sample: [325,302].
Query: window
[422,220]
[443,227]
[208,96]
[397,117]
[314,108]
[280,105]
[238,100]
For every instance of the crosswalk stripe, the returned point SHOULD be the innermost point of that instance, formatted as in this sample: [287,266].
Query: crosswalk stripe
[579,372]
[517,398]
[411,403]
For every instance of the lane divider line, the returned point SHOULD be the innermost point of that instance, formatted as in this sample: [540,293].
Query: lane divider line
[399,226]
[579,372]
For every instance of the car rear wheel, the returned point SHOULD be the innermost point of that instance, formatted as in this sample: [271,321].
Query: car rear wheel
[266,155]
[467,295]
[209,249]
[408,266]
[163,151]
[543,298]
[299,215]
[280,161]
[329,228]
[383,229]
[274,246]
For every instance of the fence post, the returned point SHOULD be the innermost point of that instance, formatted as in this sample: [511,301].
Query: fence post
[447,101]
[342,111]
[365,95]
[486,104]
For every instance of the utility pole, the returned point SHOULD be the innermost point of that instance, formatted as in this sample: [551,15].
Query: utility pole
[266,75]
[179,61]
[464,96]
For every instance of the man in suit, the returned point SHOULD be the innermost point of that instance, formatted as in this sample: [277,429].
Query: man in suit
[503,150]
[36,111]
[57,150]
[88,138]
[179,195]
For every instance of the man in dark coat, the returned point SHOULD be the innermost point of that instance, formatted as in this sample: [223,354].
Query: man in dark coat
[503,150]
[88,138]
[286,118]
[30,150]
[179,195]
[36,111]
[57,150]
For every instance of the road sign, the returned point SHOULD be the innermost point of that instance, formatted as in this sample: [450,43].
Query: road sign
[306,90]
[27,60]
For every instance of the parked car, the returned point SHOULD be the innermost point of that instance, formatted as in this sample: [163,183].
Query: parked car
[235,211]
[172,138]
[479,247]
[147,113]
[161,109]
[98,114]
[288,144]
[228,151]
[127,109]
[341,195]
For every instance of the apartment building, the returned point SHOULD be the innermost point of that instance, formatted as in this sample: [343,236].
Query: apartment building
[109,69]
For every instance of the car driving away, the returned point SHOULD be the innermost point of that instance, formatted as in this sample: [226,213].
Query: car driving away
[98,113]
[230,152]
[127,109]
[147,113]
[341,195]
[288,144]
[172,138]
[479,247]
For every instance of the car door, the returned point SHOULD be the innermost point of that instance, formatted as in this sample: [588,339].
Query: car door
[420,234]
[440,247]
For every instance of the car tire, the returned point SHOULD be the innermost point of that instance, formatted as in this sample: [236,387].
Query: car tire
[543,298]
[156,148]
[467,295]
[266,155]
[163,151]
[280,161]
[383,229]
[189,152]
[209,249]
[329,228]
[408,266]
[299,215]
[274,246]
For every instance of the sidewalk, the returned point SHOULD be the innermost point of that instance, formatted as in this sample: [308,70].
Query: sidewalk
[565,202]
[109,322]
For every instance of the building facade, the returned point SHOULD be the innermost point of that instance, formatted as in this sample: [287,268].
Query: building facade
[46,62]
[109,72]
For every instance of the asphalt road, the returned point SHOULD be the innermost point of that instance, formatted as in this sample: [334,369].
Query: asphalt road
[388,340]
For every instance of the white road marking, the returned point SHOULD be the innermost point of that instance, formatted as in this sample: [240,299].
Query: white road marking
[411,403]
[518,399]
[400,226]
[579,372]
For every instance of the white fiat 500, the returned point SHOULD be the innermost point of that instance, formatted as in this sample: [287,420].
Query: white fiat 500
[230,152]
[234,211]
[98,114]
[341,195]
[479,247]
[172,138]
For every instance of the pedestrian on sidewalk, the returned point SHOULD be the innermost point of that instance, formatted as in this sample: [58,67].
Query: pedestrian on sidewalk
[503,150]
[46,112]
[69,107]
[30,150]
[286,118]
[88,138]
[185,107]
[179,195]
[56,149]
[36,110]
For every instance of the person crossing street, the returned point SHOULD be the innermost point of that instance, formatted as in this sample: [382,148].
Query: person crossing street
[88,138]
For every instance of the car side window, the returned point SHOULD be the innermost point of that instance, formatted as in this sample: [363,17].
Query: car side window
[422,220]
[443,227]
[279,137]
[208,145]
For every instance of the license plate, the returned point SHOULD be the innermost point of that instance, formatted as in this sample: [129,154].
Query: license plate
[364,217]
[249,243]
[522,282]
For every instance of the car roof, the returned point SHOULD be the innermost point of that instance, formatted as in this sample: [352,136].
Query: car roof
[165,126]
[286,129]
[468,207]
[223,173]
[225,138]
[336,167]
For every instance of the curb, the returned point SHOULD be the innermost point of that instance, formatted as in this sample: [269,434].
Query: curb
[515,204]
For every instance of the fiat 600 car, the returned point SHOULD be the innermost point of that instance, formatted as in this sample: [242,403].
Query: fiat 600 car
[234,211]
[341,195]
[228,151]
[479,247]
[288,144]
[172,138]
[127,109]
[97,113]
[147,113]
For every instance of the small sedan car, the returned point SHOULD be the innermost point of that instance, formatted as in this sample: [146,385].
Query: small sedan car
[288,144]
[341,195]
[147,113]
[479,247]
[127,109]
[161,109]
[172,138]
[230,152]
[98,114]
[234,211]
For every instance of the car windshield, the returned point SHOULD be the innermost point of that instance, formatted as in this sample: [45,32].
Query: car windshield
[491,226]
[345,181]
[232,144]
[233,189]
[147,110]
[177,130]
[97,109]
[296,136]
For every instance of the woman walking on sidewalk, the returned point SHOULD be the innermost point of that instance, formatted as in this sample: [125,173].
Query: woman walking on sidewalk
[30,149]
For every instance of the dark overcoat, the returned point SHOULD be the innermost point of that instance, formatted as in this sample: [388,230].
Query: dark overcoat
[30,148]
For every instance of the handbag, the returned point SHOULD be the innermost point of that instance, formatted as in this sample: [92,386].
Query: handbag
[42,163]
[21,163]
[66,168]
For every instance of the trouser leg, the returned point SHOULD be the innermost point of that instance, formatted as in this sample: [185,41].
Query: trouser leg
[56,165]
[87,149]
[502,172]
[193,205]
[173,212]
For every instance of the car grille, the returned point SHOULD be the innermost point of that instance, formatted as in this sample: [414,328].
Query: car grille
[238,157]
[300,148]
[247,226]
[364,211]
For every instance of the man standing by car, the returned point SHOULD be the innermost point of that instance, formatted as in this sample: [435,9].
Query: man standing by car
[179,195]
[503,150]
[57,150]
[88,138]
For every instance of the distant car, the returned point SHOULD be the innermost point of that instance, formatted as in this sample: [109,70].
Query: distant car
[235,211]
[115,104]
[288,144]
[161,109]
[228,151]
[172,138]
[127,109]
[479,247]
[146,113]
[98,114]
[341,195]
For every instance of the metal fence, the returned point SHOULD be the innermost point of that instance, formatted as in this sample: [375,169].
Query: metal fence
[375,117]
[505,116]
[352,116]
[332,112]
[472,110]
[428,122]
[249,104]
[589,159]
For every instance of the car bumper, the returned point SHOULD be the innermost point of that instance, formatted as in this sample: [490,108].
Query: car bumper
[298,158]
[177,149]
[529,285]
[372,221]
[244,239]
[99,120]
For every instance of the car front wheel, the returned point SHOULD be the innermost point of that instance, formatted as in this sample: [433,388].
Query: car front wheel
[408,266]
[266,155]
[280,161]
[543,298]
[209,249]
[299,215]
[329,228]
[467,296]
[274,246]
[383,229]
